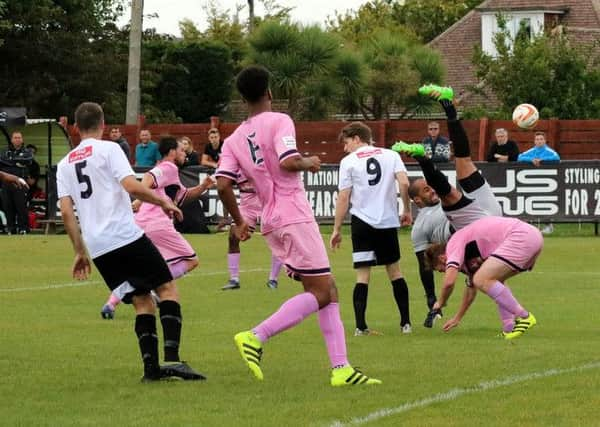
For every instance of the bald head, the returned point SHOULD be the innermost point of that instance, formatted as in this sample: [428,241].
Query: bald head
[422,194]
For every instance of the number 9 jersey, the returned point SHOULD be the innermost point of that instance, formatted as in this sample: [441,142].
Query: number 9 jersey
[370,172]
[91,175]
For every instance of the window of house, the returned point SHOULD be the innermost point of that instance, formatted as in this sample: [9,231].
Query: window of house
[519,24]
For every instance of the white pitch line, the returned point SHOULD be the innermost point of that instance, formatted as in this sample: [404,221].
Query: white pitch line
[458,392]
[95,282]
[216,273]
[50,287]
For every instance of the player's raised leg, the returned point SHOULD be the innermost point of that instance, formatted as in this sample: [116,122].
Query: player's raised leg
[469,177]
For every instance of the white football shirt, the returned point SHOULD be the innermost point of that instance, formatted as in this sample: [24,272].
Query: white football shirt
[91,175]
[371,173]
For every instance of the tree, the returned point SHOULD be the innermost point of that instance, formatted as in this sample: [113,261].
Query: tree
[223,28]
[549,71]
[422,19]
[276,12]
[429,18]
[154,48]
[250,15]
[301,60]
[56,54]
[3,22]
[195,82]
[374,16]
[393,67]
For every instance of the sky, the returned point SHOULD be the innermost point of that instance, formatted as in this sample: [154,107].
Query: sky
[170,12]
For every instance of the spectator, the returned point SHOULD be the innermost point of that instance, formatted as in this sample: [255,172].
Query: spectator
[146,151]
[210,158]
[540,152]
[8,180]
[33,176]
[115,135]
[16,160]
[36,197]
[436,147]
[212,151]
[503,149]
[191,155]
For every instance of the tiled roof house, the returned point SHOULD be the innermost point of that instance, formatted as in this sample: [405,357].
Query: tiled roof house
[579,18]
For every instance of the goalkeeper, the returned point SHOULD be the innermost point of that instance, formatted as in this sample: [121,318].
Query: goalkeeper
[478,200]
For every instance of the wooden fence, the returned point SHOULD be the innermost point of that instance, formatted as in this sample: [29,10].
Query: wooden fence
[572,139]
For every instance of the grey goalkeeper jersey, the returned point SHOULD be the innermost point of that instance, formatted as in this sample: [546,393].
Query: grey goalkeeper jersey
[430,226]
[483,204]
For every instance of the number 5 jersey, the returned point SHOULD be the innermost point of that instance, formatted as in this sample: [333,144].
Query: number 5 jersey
[91,175]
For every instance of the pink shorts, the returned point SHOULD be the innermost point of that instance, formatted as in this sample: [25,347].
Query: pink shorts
[171,245]
[251,209]
[521,248]
[300,248]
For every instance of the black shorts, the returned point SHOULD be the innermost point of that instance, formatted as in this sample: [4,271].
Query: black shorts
[133,269]
[373,246]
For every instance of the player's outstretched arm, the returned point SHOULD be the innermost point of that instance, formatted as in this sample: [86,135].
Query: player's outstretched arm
[341,207]
[81,266]
[194,193]
[145,194]
[225,189]
[468,297]
[147,181]
[449,280]
[13,180]
[299,164]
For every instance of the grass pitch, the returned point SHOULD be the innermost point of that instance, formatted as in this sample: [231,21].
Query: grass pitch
[62,364]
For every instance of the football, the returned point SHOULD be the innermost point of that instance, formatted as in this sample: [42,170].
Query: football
[525,116]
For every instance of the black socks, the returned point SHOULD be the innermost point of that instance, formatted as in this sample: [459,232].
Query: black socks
[145,329]
[400,289]
[170,318]
[361,291]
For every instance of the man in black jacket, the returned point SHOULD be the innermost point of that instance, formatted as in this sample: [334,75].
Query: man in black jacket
[115,135]
[16,161]
[503,149]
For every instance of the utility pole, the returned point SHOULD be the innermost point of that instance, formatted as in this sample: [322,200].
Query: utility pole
[135,53]
[250,15]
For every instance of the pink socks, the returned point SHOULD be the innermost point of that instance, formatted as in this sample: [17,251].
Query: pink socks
[233,262]
[275,267]
[505,299]
[113,300]
[507,319]
[291,312]
[333,332]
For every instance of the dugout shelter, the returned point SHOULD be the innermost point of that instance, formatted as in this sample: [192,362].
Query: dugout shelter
[51,140]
